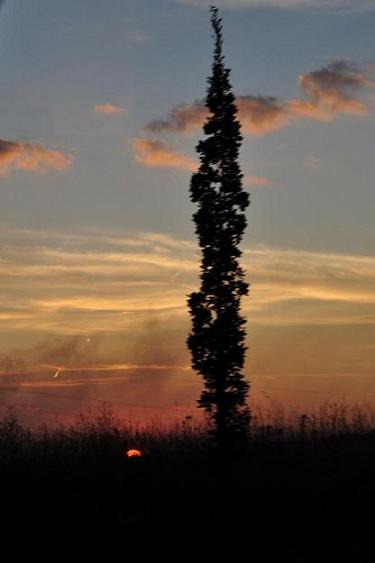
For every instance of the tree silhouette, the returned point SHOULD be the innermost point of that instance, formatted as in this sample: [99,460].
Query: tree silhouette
[217,338]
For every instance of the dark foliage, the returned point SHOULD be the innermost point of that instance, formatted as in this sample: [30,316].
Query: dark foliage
[217,338]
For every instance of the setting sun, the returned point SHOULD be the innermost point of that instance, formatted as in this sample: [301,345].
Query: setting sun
[133,453]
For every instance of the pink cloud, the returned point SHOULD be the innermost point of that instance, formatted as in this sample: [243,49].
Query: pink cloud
[261,114]
[335,89]
[330,91]
[301,109]
[16,155]
[156,153]
[184,117]
[258,114]
[256,181]
[108,109]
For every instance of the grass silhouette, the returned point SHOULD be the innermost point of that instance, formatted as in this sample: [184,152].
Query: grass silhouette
[300,489]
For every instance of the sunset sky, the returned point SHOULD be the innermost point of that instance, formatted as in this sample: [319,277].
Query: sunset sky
[102,104]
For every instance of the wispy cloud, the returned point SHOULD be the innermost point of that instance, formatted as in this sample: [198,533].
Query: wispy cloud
[31,157]
[114,281]
[325,5]
[330,91]
[108,109]
[157,153]
[256,181]
[108,309]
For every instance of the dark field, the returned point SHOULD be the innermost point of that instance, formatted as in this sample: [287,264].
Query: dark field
[297,494]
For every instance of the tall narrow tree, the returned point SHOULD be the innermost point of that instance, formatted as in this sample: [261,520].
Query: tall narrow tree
[217,338]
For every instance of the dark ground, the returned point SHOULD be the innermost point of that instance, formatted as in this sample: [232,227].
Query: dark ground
[296,498]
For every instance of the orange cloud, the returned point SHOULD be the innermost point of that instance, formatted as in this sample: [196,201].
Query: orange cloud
[334,89]
[329,91]
[184,117]
[308,110]
[256,181]
[15,155]
[156,153]
[261,114]
[108,109]
[258,114]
